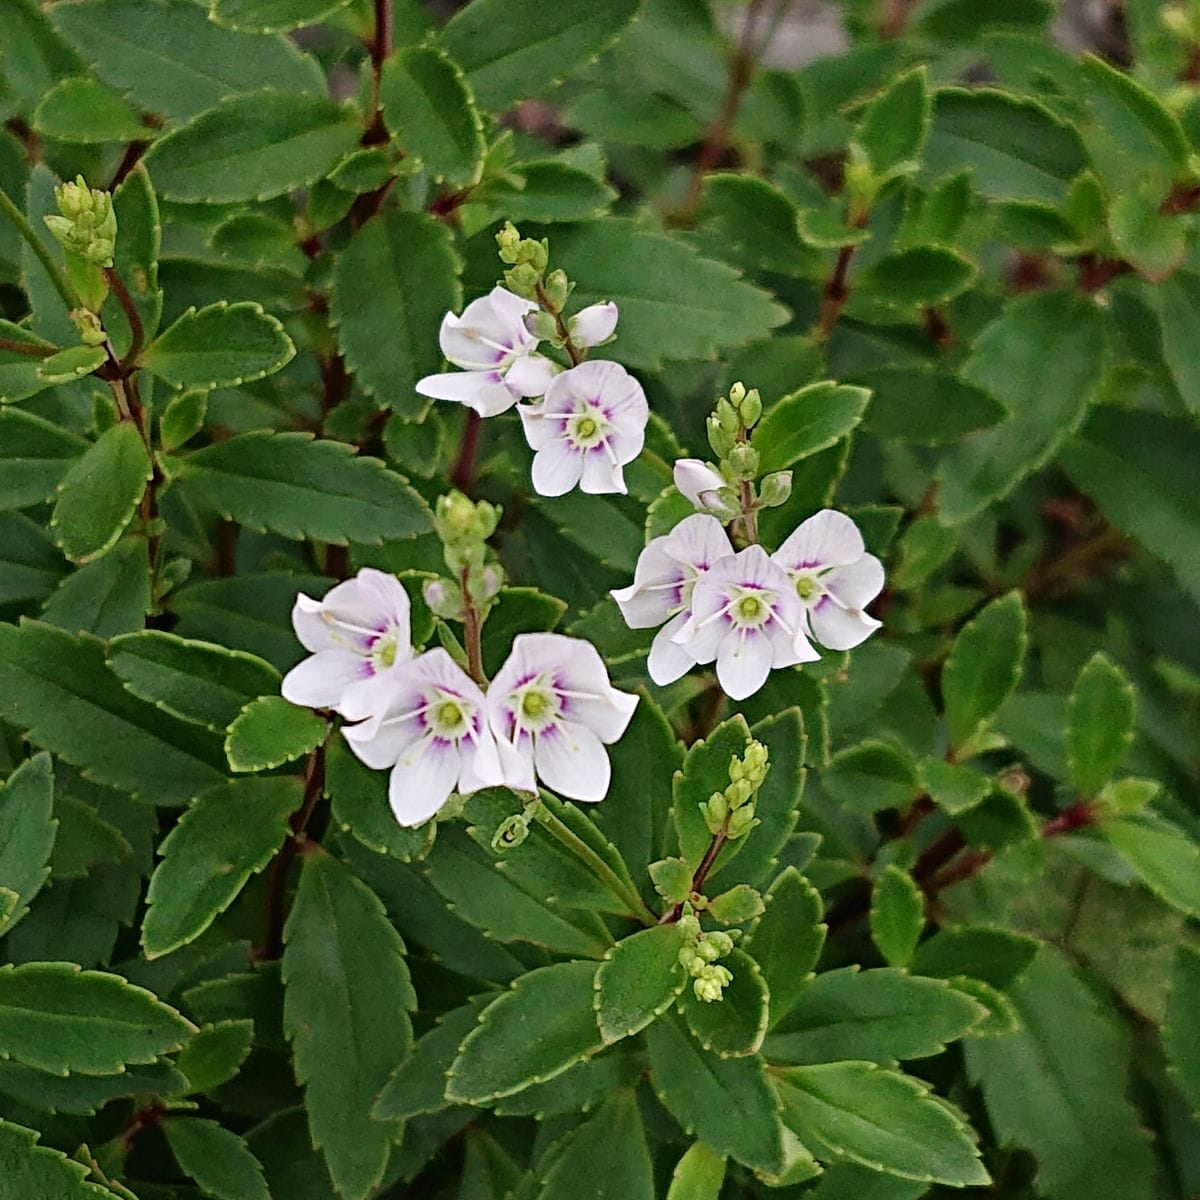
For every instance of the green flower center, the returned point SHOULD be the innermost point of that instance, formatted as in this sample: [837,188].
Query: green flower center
[386,650]
[750,608]
[588,429]
[449,716]
[534,705]
[806,587]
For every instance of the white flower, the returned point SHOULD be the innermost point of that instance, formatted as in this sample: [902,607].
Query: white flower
[746,615]
[698,482]
[492,344]
[433,734]
[358,635]
[834,578]
[594,324]
[666,573]
[553,709]
[591,423]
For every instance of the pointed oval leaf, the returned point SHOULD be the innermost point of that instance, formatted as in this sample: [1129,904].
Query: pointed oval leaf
[27,831]
[612,1139]
[215,1054]
[788,939]
[1166,860]
[1100,720]
[897,915]
[34,1172]
[735,1025]
[807,421]
[272,16]
[638,980]
[216,1158]
[271,731]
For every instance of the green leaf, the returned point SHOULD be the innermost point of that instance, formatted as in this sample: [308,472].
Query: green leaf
[60,690]
[35,454]
[612,1139]
[85,110]
[549,189]
[705,770]
[897,915]
[918,405]
[531,1033]
[347,996]
[684,307]
[983,668]
[300,487]
[1100,720]
[848,1181]
[84,1095]
[71,364]
[517,610]
[252,147]
[392,285]
[726,1102]
[1177,300]
[894,124]
[33,1172]
[996,956]
[108,597]
[173,60]
[30,566]
[223,345]
[291,1165]
[27,831]
[735,1025]
[431,114]
[809,420]
[61,1019]
[100,493]
[1014,145]
[1058,1088]
[880,1119]
[636,119]
[963,20]
[871,776]
[1042,359]
[1154,243]
[272,16]
[698,1175]
[738,905]
[84,840]
[1180,1034]
[752,223]
[638,981]
[136,259]
[216,1053]
[1136,465]
[511,49]
[19,378]
[580,1087]
[195,681]
[34,56]
[271,731]
[216,1158]
[920,275]
[182,419]
[953,788]
[788,939]
[227,834]
[1165,859]
[881,1015]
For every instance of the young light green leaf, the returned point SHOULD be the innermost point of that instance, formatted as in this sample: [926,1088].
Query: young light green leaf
[61,1019]
[27,831]
[223,345]
[1180,1033]
[698,1175]
[33,1172]
[983,668]
[392,284]
[339,943]
[216,1158]
[809,420]
[227,834]
[1165,859]
[252,147]
[705,771]
[894,124]
[879,1015]
[71,364]
[788,939]
[182,419]
[881,1119]
[272,16]
[735,1025]
[216,1053]
[1100,720]
[431,114]
[531,1033]
[271,731]
[100,493]
[300,487]
[897,915]
[638,981]
[740,904]
[917,276]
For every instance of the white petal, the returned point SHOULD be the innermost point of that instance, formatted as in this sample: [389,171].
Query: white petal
[379,747]
[367,699]
[594,324]
[422,779]
[788,649]
[669,662]
[600,475]
[859,583]
[480,763]
[607,716]
[838,629]
[530,376]
[386,594]
[310,625]
[516,767]
[743,663]
[483,391]
[826,539]
[538,431]
[466,345]
[321,680]
[696,479]
[556,469]
[571,761]
[699,541]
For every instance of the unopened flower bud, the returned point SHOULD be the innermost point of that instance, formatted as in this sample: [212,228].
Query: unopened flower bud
[719,439]
[594,325]
[710,986]
[444,598]
[720,941]
[487,583]
[738,792]
[542,325]
[775,489]
[508,239]
[455,515]
[689,923]
[750,408]
[737,393]
[742,821]
[727,417]
[698,482]
[522,280]
[742,461]
[715,810]
[557,288]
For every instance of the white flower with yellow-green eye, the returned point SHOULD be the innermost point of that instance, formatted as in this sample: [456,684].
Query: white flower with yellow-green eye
[357,636]
[553,710]
[834,579]
[433,734]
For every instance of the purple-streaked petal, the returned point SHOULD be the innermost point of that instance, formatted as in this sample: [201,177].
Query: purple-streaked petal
[744,661]
[826,539]
[422,779]
[556,469]
[571,760]
[321,680]
[367,700]
[483,391]
[699,541]
[480,763]
[669,662]
[594,324]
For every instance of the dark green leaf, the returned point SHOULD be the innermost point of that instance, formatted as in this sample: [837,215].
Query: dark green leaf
[85,110]
[897,915]
[33,1172]
[216,1053]
[735,1025]
[638,981]
[1100,720]
[894,125]
[272,16]
[698,1175]
[216,1158]
[27,829]
[812,419]
[19,378]
[1180,1035]
[788,939]
[1165,859]
[606,1156]
[35,454]
[271,731]
[871,776]
[108,596]
[918,405]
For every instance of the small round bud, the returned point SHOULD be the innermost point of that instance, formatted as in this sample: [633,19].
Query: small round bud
[721,941]
[742,461]
[557,288]
[522,280]
[707,951]
[727,417]
[737,393]
[487,583]
[775,489]
[741,821]
[750,409]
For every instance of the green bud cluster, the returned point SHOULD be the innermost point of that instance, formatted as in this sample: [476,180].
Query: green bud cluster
[732,811]
[86,226]
[699,955]
[463,526]
[529,276]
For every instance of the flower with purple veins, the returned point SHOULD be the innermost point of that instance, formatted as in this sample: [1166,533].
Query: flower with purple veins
[590,424]
[663,581]
[433,734]
[497,352]
[834,579]
[553,710]
[747,616]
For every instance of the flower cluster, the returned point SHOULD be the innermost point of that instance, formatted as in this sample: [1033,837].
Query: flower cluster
[547,715]
[584,422]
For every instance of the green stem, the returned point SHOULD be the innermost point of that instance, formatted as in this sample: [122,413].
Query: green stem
[611,880]
[18,218]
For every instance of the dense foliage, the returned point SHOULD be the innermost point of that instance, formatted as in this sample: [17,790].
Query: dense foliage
[815,901]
